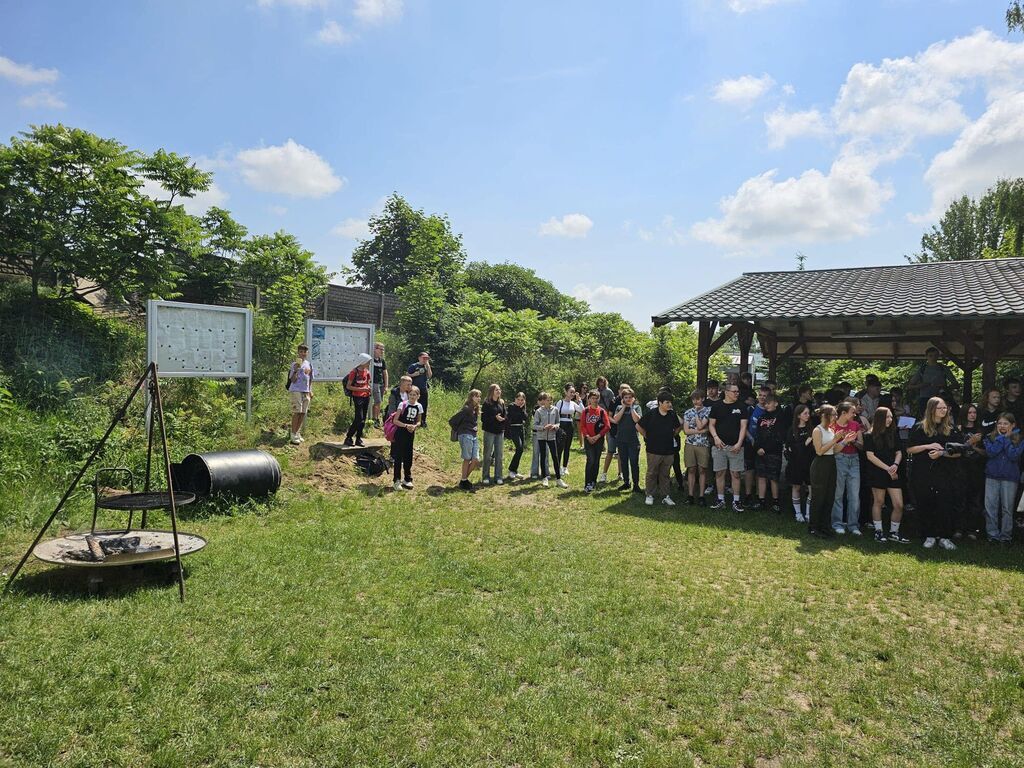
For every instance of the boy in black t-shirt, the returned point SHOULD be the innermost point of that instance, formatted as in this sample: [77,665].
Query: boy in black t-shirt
[380,380]
[768,445]
[659,427]
[728,425]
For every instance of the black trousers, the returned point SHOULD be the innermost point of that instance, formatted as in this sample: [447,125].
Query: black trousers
[546,447]
[936,500]
[823,492]
[516,433]
[566,434]
[677,466]
[401,453]
[361,405]
[594,452]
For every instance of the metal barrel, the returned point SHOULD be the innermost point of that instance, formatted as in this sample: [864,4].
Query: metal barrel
[241,473]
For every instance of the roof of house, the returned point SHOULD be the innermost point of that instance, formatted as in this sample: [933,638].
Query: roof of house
[985,288]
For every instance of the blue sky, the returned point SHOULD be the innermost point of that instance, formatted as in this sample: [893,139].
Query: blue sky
[636,154]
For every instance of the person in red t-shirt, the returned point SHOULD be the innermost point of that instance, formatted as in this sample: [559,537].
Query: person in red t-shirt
[594,425]
[358,385]
[849,429]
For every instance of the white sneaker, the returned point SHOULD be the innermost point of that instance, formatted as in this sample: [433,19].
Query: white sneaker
[667,501]
[499,481]
[295,440]
[397,486]
[407,485]
[544,482]
[929,542]
[565,471]
[649,501]
[855,532]
[800,519]
[511,476]
[561,483]
[602,478]
[301,438]
[839,531]
[946,544]
[486,481]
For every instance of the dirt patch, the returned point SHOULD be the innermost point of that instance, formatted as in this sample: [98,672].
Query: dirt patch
[338,473]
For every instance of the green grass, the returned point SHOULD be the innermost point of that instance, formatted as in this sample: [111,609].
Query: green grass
[517,626]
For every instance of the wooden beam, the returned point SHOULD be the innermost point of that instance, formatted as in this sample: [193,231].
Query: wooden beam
[990,354]
[745,335]
[723,337]
[703,355]
[944,349]
[803,337]
[846,329]
[790,350]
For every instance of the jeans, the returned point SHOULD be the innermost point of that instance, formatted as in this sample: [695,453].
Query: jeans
[545,447]
[848,484]
[999,497]
[566,434]
[494,448]
[517,436]
[538,447]
[594,452]
[360,404]
[629,462]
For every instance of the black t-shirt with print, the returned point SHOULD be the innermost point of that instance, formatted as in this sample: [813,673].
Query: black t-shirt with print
[727,420]
[379,369]
[660,428]
[410,414]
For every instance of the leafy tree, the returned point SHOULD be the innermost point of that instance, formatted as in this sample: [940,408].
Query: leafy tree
[72,210]
[488,335]
[972,229]
[604,335]
[405,243]
[572,309]
[430,321]
[1015,17]
[210,275]
[288,280]
[517,287]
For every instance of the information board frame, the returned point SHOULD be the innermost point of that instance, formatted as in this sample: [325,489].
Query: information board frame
[311,323]
[153,307]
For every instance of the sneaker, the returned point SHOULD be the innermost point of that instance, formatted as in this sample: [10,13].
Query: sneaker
[709,491]
[603,478]
[565,471]
[898,537]
[295,440]
[947,544]
[880,537]
[638,489]
[800,518]
[486,481]
[757,506]
[348,442]
[838,531]
[407,485]
[667,501]
[465,485]
[929,542]
[499,481]
[689,501]
[588,488]
[649,501]
[511,476]
[544,482]
[718,504]
[776,509]
[855,532]
[398,486]
[561,483]
[625,487]
[360,443]
[736,506]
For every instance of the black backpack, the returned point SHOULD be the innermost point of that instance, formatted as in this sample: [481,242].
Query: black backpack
[373,464]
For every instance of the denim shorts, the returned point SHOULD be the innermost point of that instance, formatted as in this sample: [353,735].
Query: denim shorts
[470,446]
[610,439]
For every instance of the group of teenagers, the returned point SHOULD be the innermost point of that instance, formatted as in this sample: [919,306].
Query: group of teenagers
[852,461]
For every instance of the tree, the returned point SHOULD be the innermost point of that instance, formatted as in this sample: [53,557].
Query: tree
[489,334]
[1015,17]
[430,322]
[210,274]
[978,229]
[405,243]
[604,335]
[288,280]
[517,287]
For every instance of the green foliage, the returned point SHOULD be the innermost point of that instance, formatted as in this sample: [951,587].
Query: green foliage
[517,287]
[987,228]
[289,280]
[405,243]
[604,335]
[1015,17]
[488,335]
[430,322]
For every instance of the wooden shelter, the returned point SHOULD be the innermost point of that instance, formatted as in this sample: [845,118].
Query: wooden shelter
[971,311]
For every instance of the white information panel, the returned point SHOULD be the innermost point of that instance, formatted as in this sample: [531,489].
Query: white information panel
[334,348]
[200,341]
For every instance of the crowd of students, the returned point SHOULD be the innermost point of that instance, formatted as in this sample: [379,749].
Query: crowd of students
[846,462]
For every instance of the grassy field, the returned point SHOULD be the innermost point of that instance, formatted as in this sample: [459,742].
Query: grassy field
[344,624]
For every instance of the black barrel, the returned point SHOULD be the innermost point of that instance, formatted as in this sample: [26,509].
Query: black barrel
[241,473]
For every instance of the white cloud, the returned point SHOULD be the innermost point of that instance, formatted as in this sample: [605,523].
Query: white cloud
[571,225]
[332,33]
[988,149]
[742,6]
[602,295]
[294,3]
[812,207]
[353,229]
[783,125]
[43,99]
[289,169]
[377,11]
[26,74]
[743,91]
[788,89]
[277,210]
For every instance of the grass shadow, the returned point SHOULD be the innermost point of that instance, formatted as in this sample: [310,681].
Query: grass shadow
[72,584]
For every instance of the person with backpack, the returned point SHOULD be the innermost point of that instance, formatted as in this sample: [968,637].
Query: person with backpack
[608,400]
[300,392]
[493,418]
[594,425]
[358,386]
[463,425]
[398,395]
[406,421]
[569,409]
[1003,447]
[545,439]
[515,430]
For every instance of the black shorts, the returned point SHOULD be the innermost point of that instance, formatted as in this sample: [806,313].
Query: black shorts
[768,466]
[749,457]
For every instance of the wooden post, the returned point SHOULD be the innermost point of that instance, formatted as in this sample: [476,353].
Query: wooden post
[745,336]
[703,353]
[990,354]
[968,390]
[327,298]
[770,349]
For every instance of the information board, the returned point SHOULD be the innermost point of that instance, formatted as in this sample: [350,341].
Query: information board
[334,348]
[199,340]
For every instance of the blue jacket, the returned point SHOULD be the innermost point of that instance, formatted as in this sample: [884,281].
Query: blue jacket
[1003,458]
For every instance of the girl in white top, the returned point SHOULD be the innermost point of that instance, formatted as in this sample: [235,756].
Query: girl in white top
[569,410]
[823,472]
